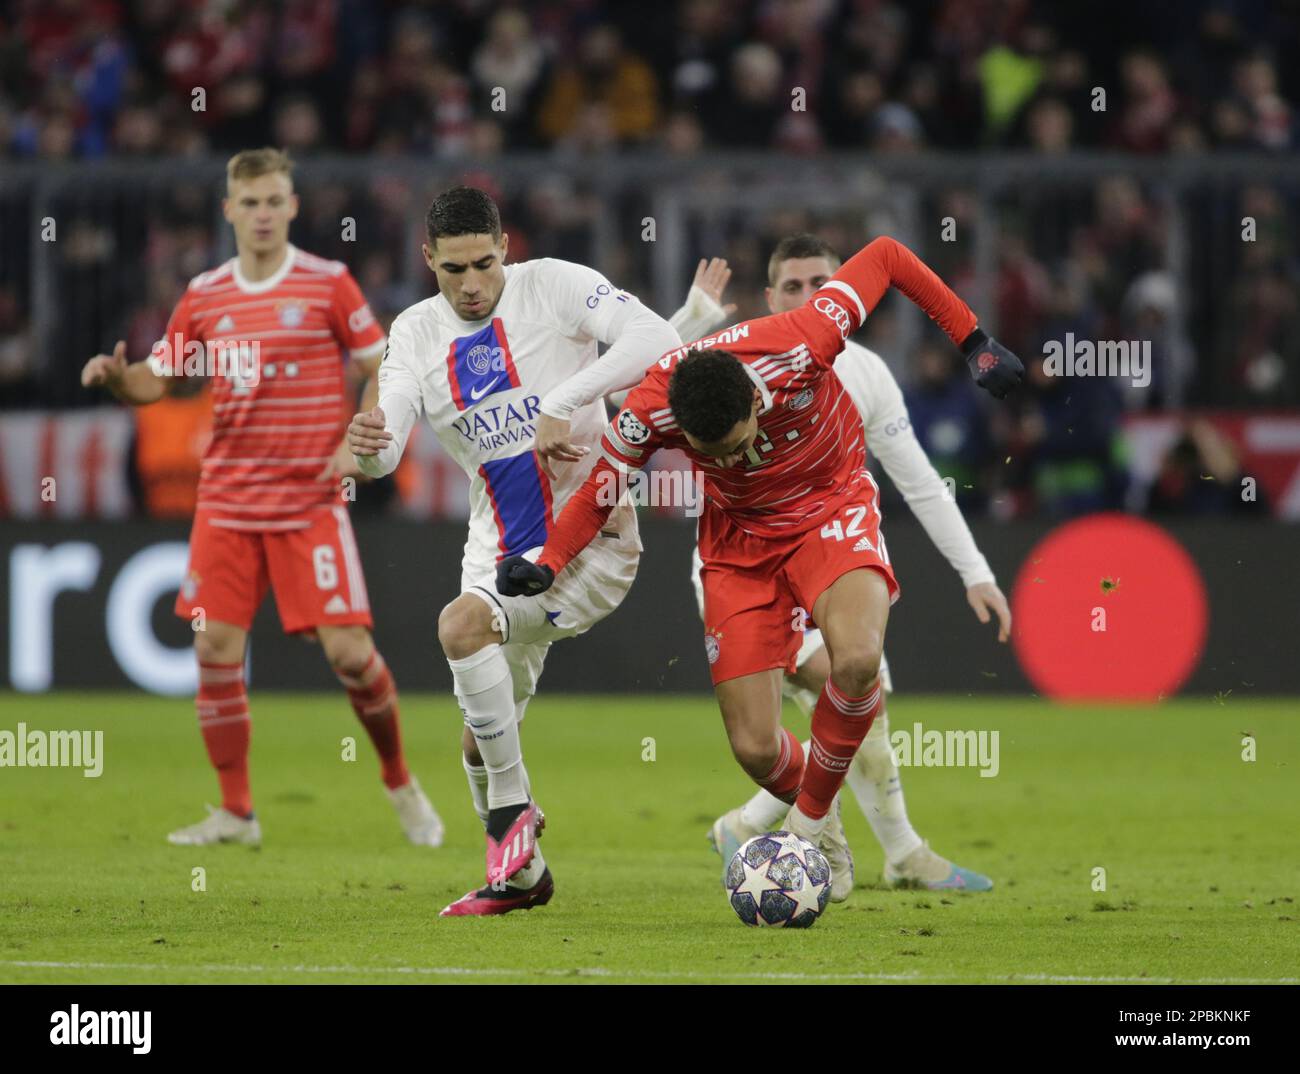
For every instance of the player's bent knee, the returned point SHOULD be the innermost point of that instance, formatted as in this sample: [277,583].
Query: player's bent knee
[857,669]
[756,754]
[347,649]
[464,627]
[219,646]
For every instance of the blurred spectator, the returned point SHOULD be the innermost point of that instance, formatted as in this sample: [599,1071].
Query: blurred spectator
[1051,127]
[1271,124]
[17,373]
[1149,105]
[606,75]
[1200,475]
[756,102]
[949,423]
[1150,315]
[1068,443]
[512,61]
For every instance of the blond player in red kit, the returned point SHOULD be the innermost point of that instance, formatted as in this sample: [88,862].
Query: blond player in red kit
[790,536]
[273,328]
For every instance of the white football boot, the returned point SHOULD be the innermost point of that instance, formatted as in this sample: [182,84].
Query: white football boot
[420,821]
[923,868]
[221,826]
[729,833]
[831,841]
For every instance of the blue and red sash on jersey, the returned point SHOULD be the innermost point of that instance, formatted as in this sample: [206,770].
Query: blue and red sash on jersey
[478,366]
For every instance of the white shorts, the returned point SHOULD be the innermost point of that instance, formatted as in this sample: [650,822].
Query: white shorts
[812,639]
[588,589]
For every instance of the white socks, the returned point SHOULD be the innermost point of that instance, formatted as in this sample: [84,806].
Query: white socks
[873,779]
[486,694]
[478,784]
[765,812]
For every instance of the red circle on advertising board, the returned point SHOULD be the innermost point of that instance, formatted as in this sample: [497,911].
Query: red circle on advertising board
[1108,607]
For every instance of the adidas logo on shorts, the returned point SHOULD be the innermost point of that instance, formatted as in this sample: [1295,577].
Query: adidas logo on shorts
[864,545]
[336,605]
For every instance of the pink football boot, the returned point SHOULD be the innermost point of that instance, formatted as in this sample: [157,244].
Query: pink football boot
[501,900]
[517,846]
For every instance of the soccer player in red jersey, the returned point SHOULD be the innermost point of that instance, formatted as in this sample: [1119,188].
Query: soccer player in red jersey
[272,328]
[790,534]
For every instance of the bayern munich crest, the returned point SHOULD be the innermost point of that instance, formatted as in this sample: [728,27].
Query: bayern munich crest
[291,314]
[802,400]
[631,429]
[712,646]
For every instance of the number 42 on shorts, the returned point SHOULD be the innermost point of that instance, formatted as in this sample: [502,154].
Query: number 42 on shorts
[851,527]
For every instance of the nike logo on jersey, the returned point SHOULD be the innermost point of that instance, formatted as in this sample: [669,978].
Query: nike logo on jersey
[477,393]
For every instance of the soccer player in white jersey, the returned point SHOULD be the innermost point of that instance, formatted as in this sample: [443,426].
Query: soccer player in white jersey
[800,265]
[481,361]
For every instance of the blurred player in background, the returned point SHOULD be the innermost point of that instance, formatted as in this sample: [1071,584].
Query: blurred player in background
[487,361]
[790,534]
[798,267]
[280,323]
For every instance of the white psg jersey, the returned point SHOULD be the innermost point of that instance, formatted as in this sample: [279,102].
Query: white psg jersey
[480,385]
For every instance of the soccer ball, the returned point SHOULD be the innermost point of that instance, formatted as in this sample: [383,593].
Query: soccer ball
[778,879]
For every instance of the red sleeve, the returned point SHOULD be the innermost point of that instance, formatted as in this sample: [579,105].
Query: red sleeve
[581,518]
[167,359]
[629,441]
[840,306]
[354,325]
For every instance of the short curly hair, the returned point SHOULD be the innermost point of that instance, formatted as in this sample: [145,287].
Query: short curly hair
[462,210]
[708,393]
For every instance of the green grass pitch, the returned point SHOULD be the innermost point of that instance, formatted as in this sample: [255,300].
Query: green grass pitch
[1197,844]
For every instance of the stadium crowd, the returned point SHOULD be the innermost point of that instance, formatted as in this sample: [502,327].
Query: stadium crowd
[86,78]
[462,81]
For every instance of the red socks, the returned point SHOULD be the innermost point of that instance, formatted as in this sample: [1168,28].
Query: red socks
[373,694]
[788,772]
[222,705]
[839,724]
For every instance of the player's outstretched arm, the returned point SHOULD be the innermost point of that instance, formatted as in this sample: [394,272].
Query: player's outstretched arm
[377,436]
[703,310]
[860,283]
[131,382]
[579,522]
[629,442]
[343,462]
[586,305]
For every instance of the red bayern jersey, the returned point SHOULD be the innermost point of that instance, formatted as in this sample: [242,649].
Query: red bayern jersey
[278,392]
[809,449]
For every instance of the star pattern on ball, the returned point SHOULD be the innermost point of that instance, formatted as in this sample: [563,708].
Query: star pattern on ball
[792,844]
[756,881]
[806,897]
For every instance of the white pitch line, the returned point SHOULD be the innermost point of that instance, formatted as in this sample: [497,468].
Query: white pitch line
[598,971]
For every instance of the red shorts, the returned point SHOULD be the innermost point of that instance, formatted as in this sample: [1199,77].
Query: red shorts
[759,592]
[315,572]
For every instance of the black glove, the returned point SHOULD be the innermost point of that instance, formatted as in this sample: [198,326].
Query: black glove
[994,368]
[516,577]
